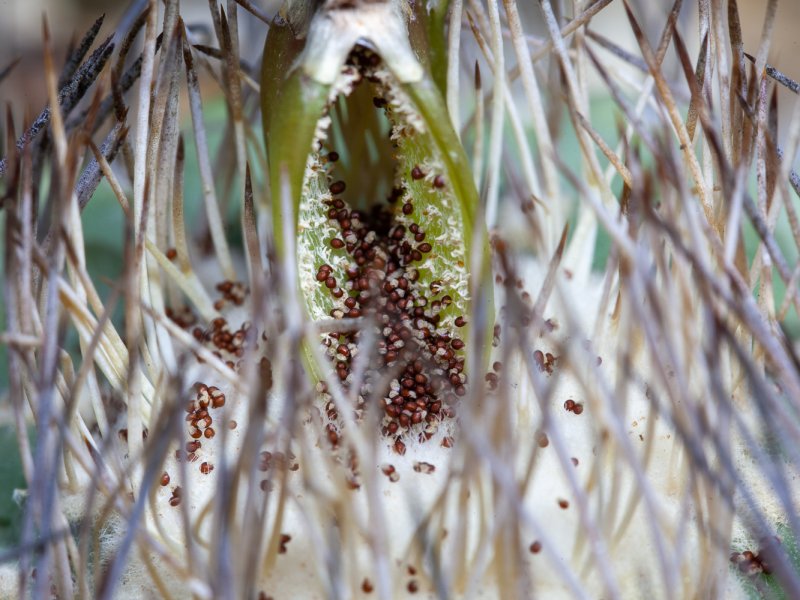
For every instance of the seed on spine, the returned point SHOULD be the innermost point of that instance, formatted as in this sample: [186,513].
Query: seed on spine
[206,468]
[438,181]
[193,446]
[366,586]
[209,433]
[563,504]
[535,547]
[164,479]
[285,539]
[578,409]
[417,173]
[333,156]
[408,208]
[330,283]
[337,243]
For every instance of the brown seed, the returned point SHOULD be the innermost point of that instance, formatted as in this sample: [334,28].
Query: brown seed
[209,433]
[417,173]
[193,446]
[535,547]
[569,405]
[541,439]
[337,243]
[460,321]
[408,208]
[165,479]
[366,586]
[563,504]
[285,539]
[578,409]
[232,424]
[424,247]
[330,283]
[438,181]
[399,447]
[206,468]
[412,587]
[337,187]
[333,156]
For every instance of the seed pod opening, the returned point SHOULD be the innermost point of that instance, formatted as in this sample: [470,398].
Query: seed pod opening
[383,203]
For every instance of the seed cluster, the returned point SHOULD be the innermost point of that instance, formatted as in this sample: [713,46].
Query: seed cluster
[200,420]
[545,361]
[233,292]
[229,346]
[182,316]
[574,407]
[382,279]
[754,563]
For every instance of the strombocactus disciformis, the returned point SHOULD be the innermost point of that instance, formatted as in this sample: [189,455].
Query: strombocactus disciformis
[418,374]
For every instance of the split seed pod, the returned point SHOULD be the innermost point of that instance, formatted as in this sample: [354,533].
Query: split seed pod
[359,137]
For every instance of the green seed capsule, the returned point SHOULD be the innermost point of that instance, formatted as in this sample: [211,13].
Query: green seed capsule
[358,131]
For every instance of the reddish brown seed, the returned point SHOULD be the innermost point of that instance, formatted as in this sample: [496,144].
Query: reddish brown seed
[174,501]
[457,344]
[399,447]
[541,439]
[172,253]
[563,504]
[337,187]
[438,181]
[535,547]
[165,479]
[425,247]
[232,424]
[366,586]
[578,409]
[460,321]
[195,433]
[337,243]
[417,173]
[193,446]
[412,587]
[569,405]
[206,468]
[330,283]
[285,539]
[209,433]
[333,156]
[408,208]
